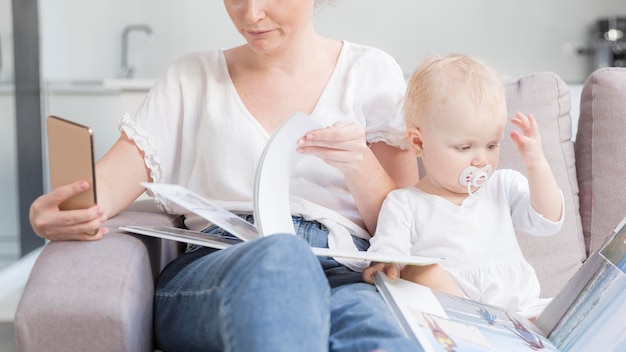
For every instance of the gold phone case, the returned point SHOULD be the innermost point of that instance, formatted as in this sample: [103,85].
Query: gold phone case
[70,158]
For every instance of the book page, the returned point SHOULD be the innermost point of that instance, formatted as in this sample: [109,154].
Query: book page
[272,212]
[208,210]
[214,241]
[183,235]
[444,322]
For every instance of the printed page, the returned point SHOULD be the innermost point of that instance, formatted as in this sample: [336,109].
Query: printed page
[443,322]
[205,208]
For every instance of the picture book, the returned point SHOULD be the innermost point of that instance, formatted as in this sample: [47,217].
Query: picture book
[587,315]
[271,202]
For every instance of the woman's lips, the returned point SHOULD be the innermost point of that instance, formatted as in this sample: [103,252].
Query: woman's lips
[258,33]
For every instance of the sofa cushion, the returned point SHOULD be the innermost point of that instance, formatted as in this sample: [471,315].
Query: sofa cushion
[599,144]
[546,96]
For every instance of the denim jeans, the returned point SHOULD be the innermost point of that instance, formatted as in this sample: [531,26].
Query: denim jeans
[271,294]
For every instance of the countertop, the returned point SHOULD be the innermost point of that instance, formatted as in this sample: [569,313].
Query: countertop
[112,85]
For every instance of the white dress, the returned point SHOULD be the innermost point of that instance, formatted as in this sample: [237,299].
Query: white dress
[195,131]
[476,239]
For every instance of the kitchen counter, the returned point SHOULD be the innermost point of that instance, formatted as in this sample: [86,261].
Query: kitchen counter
[104,86]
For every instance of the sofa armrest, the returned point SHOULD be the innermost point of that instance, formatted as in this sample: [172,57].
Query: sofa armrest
[96,296]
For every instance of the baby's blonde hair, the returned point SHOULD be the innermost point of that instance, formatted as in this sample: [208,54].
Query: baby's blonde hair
[440,78]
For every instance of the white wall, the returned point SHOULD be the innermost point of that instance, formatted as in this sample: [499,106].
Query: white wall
[82,39]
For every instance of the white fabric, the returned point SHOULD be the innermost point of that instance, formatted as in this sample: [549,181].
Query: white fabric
[195,131]
[477,238]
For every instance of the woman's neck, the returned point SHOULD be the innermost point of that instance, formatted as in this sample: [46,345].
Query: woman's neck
[300,56]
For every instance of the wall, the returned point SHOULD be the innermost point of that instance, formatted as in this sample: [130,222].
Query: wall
[6,41]
[81,39]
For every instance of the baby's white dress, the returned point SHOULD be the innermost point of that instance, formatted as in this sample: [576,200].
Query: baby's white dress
[477,238]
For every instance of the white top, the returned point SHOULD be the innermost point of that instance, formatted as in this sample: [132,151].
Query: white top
[195,131]
[477,238]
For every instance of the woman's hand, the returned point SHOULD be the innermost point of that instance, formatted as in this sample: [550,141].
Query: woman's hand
[49,222]
[341,145]
[370,171]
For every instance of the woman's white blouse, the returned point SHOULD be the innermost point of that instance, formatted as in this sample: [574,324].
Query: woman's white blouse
[195,131]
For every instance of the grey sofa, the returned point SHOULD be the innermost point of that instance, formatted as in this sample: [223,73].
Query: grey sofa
[98,296]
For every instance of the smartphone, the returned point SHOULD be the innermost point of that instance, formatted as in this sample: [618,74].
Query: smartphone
[70,158]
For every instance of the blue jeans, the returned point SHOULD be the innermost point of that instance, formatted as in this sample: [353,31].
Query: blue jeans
[271,294]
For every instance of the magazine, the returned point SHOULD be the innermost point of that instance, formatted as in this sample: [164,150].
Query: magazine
[270,201]
[587,315]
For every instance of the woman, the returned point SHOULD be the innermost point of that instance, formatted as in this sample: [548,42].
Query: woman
[204,125]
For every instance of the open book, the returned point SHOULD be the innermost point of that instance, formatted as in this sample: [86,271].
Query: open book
[589,314]
[272,212]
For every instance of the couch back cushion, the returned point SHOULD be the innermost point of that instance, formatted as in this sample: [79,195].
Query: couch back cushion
[600,145]
[546,97]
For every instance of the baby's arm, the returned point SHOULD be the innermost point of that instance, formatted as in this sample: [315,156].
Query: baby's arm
[545,196]
[391,270]
[433,276]
[393,235]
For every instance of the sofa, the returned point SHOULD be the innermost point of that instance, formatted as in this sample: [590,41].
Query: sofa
[97,296]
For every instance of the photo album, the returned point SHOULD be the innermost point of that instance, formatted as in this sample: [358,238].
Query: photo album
[271,204]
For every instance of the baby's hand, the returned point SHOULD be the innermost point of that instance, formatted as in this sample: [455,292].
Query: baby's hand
[529,140]
[391,270]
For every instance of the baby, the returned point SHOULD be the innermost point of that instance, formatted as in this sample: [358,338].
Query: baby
[464,209]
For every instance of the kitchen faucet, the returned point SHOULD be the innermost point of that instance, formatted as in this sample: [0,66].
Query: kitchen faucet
[126,70]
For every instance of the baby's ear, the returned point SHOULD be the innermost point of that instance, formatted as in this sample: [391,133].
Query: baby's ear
[414,135]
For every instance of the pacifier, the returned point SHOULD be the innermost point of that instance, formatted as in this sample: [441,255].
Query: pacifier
[474,176]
